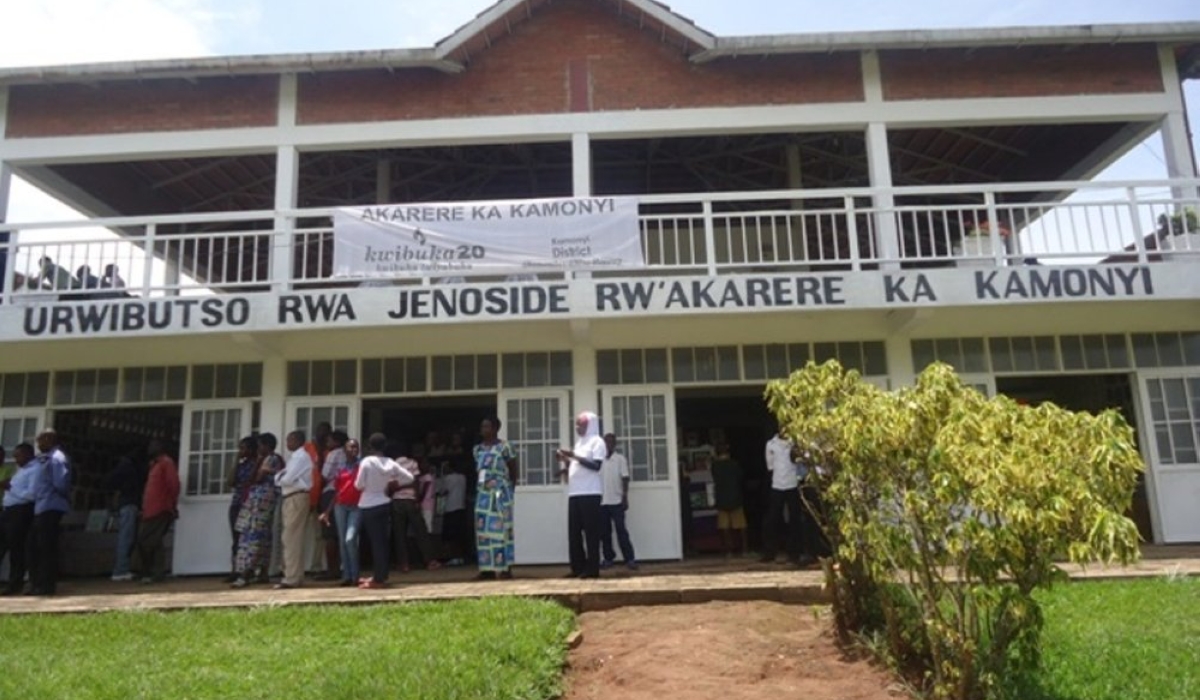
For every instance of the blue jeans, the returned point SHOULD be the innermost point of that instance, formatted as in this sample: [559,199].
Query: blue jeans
[127,521]
[614,516]
[347,519]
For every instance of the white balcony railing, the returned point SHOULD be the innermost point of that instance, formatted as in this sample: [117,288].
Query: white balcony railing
[713,234]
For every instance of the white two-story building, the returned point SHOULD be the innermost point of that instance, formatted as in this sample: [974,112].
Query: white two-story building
[884,198]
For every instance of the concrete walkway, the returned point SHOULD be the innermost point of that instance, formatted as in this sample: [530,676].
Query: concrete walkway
[694,581]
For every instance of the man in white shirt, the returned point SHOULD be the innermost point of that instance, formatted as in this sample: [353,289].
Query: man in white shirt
[295,481]
[613,504]
[17,518]
[585,490]
[785,494]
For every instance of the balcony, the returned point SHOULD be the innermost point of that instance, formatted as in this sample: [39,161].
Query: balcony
[711,235]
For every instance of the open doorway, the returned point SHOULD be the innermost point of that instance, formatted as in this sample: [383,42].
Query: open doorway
[94,439]
[1092,393]
[737,416]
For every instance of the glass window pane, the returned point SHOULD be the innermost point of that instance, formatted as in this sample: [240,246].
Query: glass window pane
[537,368]
[64,388]
[876,357]
[14,391]
[36,389]
[393,375]
[1184,441]
[1045,353]
[706,364]
[728,364]
[372,376]
[177,381]
[297,379]
[823,352]
[464,372]
[443,373]
[1144,351]
[607,369]
[321,378]
[1162,437]
[949,352]
[1002,359]
[1022,348]
[632,371]
[1191,349]
[656,366]
[778,365]
[1072,352]
[1118,354]
[1170,349]
[227,381]
[415,374]
[974,356]
[512,368]
[131,390]
[850,356]
[754,361]
[345,377]
[251,380]
[798,357]
[923,354]
[561,369]
[682,364]
[1094,354]
[106,386]
[485,371]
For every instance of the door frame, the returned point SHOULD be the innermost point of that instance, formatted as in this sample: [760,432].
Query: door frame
[1149,441]
[541,507]
[672,484]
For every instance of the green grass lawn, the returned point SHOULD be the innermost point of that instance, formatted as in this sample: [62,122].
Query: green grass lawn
[493,648]
[1120,640]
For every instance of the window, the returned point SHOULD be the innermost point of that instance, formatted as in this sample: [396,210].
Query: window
[322,378]
[232,381]
[24,390]
[212,450]
[534,428]
[640,422]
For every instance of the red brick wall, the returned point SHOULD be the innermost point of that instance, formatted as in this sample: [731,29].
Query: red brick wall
[1030,71]
[151,105]
[567,47]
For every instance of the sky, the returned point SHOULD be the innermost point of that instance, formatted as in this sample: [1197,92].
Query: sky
[47,32]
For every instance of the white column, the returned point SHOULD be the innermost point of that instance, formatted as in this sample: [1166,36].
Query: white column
[585,378]
[272,415]
[1177,147]
[899,360]
[581,165]
[879,164]
[287,181]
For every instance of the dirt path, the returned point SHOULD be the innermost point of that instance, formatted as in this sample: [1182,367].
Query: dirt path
[731,651]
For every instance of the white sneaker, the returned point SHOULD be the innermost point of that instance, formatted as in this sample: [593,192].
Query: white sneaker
[122,577]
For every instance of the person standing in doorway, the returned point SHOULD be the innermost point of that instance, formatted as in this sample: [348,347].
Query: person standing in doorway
[406,513]
[496,464]
[295,481]
[52,486]
[128,479]
[378,476]
[614,505]
[160,503]
[727,492]
[585,491]
[17,517]
[785,495]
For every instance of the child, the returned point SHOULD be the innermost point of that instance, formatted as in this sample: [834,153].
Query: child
[727,487]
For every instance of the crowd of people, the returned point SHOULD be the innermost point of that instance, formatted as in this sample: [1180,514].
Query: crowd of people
[83,285]
[334,500]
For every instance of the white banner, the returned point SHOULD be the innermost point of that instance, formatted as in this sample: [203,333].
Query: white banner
[519,237]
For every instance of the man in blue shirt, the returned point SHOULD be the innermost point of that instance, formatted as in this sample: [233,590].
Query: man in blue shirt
[52,489]
[17,517]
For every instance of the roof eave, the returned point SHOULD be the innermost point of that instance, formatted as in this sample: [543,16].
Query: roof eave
[823,42]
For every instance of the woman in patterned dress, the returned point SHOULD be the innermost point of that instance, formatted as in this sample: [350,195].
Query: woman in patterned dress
[497,466]
[257,514]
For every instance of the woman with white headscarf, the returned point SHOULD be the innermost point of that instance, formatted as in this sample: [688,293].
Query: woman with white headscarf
[585,489]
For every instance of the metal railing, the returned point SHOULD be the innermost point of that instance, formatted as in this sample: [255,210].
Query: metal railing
[1079,223]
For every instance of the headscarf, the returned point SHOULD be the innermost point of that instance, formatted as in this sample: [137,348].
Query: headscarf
[590,443]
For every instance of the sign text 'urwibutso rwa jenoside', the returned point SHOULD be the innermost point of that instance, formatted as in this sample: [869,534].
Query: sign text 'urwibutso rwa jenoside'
[408,304]
[513,238]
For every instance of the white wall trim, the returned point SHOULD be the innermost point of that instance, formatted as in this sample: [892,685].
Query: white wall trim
[287,100]
[872,77]
[847,116]
[581,165]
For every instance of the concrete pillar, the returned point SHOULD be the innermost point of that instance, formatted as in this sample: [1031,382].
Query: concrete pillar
[287,182]
[1177,144]
[581,165]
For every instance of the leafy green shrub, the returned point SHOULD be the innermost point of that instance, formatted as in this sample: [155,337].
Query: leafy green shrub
[947,510]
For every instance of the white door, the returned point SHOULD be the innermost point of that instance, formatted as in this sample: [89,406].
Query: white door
[536,423]
[1171,439]
[208,456]
[643,419]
